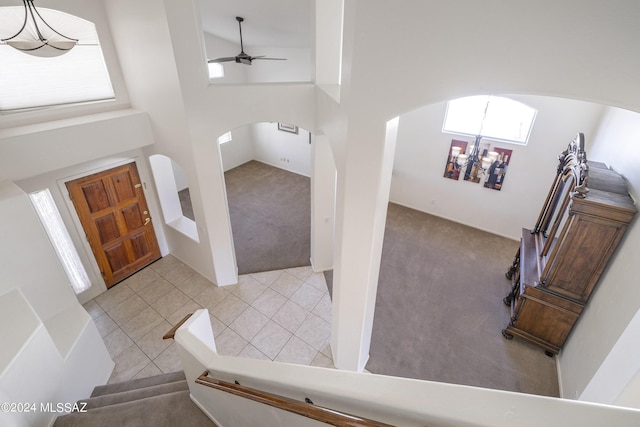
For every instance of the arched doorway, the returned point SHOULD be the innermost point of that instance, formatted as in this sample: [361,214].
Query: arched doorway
[267,176]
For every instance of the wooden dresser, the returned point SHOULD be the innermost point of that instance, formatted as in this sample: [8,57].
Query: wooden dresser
[560,260]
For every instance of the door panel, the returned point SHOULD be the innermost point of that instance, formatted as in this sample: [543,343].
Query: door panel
[132,216]
[124,187]
[139,245]
[117,257]
[114,214]
[107,229]
[96,196]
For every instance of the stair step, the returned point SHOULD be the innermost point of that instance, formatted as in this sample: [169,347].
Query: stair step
[171,409]
[137,384]
[135,394]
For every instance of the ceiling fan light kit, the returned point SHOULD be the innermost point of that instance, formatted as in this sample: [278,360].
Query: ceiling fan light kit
[242,57]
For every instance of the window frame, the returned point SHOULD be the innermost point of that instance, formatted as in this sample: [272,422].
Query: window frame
[482,115]
[225,137]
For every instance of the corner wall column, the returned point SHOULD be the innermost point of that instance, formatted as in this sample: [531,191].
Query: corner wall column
[363,197]
[323,196]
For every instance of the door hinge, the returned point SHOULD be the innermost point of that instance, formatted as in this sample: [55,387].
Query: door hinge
[70,196]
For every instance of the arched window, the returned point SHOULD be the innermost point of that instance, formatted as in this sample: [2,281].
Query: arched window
[492,117]
[28,81]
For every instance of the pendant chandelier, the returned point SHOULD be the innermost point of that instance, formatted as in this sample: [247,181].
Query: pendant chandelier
[36,37]
[474,159]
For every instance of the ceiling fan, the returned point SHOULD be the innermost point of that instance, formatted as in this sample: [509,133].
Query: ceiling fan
[242,58]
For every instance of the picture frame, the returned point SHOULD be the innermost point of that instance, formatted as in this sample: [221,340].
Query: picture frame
[451,170]
[498,171]
[286,127]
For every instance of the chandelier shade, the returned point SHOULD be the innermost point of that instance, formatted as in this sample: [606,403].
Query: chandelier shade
[42,32]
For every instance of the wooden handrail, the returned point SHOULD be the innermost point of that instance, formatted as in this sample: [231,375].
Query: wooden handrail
[172,332]
[305,409]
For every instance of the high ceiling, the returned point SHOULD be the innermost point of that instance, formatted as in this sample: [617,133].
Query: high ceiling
[268,23]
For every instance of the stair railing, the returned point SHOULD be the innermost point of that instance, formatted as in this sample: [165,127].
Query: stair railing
[172,332]
[305,409]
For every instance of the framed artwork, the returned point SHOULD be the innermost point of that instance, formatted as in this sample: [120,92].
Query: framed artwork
[490,175]
[451,170]
[286,127]
[498,170]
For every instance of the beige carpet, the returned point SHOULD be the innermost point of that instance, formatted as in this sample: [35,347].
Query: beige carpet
[162,400]
[270,211]
[439,310]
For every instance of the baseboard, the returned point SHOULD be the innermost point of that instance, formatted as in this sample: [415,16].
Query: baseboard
[458,222]
[319,270]
[559,374]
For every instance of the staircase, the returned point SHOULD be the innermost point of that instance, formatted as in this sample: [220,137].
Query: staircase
[162,400]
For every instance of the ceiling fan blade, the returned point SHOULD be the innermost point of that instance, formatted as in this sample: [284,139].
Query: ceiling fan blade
[223,59]
[242,57]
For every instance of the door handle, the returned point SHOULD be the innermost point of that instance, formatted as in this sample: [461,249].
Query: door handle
[147,221]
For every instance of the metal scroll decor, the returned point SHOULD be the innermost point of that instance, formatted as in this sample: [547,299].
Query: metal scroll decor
[574,160]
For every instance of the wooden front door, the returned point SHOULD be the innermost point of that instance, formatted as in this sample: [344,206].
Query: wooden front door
[115,217]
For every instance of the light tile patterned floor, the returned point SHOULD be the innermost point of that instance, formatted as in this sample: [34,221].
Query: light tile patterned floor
[282,315]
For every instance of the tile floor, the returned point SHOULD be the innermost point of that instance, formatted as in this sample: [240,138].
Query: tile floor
[282,315]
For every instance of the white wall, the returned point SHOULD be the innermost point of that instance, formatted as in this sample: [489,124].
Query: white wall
[239,150]
[28,150]
[296,68]
[281,149]
[422,151]
[54,352]
[604,325]
[265,143]
[180,175]
[23,241]
[328,42]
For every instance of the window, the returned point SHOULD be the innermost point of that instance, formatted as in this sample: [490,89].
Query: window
[79,75]
[491,117]
[216,70]
[225,138]
[59,237]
